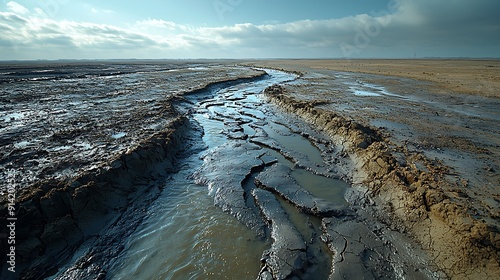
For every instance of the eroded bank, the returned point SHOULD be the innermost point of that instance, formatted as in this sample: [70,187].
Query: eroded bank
[423,186]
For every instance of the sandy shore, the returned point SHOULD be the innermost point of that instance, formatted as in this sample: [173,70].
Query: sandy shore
[436,167]
[478,77]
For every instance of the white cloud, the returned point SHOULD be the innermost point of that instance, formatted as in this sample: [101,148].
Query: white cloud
[101,11]
[69,38]
[17,8]
[432,27]
[157,23]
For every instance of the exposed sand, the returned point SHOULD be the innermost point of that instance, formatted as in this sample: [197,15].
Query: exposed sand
[436,165]
[481,77]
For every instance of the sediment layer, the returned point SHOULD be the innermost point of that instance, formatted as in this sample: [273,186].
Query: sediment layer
[287,257]
[414,199]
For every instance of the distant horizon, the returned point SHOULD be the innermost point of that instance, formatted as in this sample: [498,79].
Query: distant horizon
[236,59]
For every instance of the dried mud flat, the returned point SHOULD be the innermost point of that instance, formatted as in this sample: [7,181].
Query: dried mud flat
[425,139]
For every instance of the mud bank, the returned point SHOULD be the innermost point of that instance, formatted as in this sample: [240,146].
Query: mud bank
[409,191]
[56,215]
[286,185]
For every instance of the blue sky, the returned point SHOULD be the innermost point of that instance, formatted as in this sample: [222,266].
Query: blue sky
[91,29]
[204,12]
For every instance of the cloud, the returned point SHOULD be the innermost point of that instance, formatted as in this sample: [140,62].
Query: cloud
[101,11]
[24,36]
[431,28]
[17,8]
[446,27]
[158,23]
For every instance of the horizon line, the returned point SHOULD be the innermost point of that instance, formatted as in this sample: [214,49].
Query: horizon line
[277,58]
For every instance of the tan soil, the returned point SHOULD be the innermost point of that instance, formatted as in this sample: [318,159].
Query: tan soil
[479,77]
[456,220]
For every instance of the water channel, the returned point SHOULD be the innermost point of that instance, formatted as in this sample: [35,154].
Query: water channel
[185,236]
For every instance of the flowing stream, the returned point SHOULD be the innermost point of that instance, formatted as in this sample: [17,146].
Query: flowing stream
[184,236]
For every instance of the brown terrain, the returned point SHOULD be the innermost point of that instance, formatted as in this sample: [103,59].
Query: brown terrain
[477,77]
[425,141]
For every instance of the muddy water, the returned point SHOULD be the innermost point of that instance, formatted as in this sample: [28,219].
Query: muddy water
[186,237]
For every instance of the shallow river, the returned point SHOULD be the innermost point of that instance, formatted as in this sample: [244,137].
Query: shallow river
[184,235]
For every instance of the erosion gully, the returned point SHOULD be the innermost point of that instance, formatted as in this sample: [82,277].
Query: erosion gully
[274,208]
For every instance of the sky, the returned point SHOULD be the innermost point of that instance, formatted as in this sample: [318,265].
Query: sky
[167,29]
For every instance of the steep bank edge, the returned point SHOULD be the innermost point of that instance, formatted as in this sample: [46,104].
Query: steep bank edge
[414,200]
[54,217]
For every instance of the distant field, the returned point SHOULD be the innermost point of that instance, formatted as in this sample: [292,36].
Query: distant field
[479,77]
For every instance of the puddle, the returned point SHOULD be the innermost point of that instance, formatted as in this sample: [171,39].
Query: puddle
[327,188]
[365,93]
[248,130]
[281,159]
[212,128]
[22,144]
[118,135]
[310,228]
[294,142]
[361,88]
[198,68]
[13,117]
